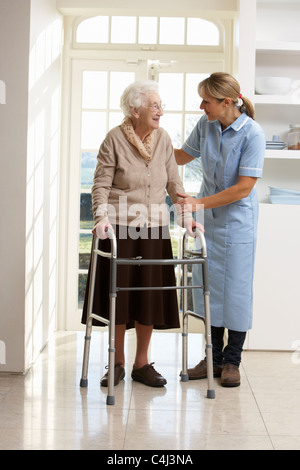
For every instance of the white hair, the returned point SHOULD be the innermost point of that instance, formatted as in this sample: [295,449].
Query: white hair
[134,95]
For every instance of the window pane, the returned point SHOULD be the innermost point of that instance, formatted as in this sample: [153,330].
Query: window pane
[93,129]
[172,123]
[171,90]
[115,119]
[86,211]
[193,176]
[190,122]
[123,29]
[93,30]
[118,82]
[85,246]
[82,279]
[94,89]
[192,98]
[192,171]
[171,31]
[202,33]
[88,165]
[147,30]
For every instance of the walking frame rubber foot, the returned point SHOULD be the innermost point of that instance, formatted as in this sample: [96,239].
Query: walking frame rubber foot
[83,383]
[110,400]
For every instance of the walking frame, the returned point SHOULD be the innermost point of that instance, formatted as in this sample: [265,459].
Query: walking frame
[189,257]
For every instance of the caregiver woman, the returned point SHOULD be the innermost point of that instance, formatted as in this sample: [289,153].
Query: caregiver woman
[231,146]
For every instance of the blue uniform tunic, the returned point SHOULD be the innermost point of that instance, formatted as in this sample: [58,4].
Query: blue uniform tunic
[231,230]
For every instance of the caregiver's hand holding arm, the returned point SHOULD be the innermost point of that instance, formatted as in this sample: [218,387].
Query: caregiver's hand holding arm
[234,193]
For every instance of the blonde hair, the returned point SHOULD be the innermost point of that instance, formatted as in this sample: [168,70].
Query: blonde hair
[134,96]
[221,85]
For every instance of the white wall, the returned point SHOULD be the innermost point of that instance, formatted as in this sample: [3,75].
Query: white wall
[80,7]
[42,174]
[14,52]
[30,51]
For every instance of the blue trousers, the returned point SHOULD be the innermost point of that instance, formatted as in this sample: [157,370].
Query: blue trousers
[232,353]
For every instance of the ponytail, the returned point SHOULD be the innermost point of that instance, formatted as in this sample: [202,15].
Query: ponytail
[247,107]
[222,85]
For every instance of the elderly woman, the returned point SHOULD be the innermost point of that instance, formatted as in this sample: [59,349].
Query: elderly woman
[135,168]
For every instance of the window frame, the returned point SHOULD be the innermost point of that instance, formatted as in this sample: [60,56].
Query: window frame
[221,26]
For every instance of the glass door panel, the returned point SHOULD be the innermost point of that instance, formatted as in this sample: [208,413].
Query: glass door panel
[97,88]
[96,91]
[178,83]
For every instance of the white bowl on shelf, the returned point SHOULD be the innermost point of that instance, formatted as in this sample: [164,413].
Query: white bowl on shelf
[272,85]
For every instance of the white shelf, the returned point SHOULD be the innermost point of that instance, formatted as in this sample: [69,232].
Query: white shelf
[285,154]
[279,224]
[290,99]
[278,46]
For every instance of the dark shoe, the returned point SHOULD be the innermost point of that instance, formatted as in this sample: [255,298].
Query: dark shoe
[230,376]
[200,371]
[148,376]
[119,375]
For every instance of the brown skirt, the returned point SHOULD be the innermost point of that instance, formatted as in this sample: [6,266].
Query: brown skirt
[153,307]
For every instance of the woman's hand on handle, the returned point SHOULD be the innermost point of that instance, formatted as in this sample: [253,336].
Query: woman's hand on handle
[100,229]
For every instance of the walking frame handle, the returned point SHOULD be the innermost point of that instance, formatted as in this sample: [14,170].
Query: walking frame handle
[200,235]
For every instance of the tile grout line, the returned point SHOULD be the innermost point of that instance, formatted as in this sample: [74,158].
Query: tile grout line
[253,394]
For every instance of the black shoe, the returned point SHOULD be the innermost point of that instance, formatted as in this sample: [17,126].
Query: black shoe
[148,376]
[119,375]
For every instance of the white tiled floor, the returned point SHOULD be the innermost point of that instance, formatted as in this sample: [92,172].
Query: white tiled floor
[47,409]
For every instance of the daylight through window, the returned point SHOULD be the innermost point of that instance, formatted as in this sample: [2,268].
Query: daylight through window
[148,30]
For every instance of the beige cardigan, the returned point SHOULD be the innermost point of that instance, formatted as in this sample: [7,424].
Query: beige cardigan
[127,189]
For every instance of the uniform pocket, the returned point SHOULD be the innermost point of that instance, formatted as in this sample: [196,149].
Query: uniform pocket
[240,224]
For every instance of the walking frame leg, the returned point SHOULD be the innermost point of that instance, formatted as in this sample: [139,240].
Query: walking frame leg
[209,356]
[110,400]
[86,354]
[111,323]
[207,322]
[184,373]
[88,331]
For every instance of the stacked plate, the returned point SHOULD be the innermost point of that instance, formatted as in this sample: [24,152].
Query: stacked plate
[284,196]
[275,145]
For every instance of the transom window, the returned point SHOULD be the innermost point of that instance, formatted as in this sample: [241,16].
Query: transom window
[148,30]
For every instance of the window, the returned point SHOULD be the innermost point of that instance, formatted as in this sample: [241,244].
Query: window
[179,92]
[123,29]
[100,111]
[172,31]
[93,30]
[148,30]
[202,32]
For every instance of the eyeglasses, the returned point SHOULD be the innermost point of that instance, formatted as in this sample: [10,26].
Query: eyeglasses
[156,107]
